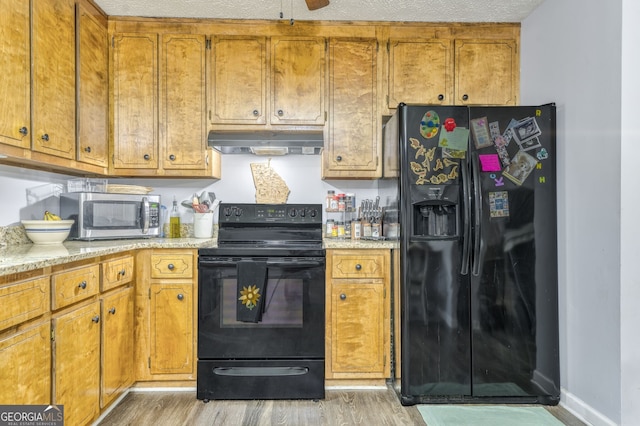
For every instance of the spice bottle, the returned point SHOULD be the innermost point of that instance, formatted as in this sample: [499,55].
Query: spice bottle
[329,200]
[174,221]
[328,232]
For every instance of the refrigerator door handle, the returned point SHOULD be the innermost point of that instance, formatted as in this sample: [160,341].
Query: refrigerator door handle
[477,217]
[466,206]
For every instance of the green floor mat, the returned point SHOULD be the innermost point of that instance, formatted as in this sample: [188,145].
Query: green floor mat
[486,415]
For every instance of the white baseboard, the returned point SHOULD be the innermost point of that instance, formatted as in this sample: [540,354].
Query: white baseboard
[166,389]
[111,407]
[356,387]
[583,411]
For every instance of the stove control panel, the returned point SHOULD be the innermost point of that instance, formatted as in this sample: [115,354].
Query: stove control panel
[270,213]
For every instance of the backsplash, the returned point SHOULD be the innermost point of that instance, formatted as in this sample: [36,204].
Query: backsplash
[13,235]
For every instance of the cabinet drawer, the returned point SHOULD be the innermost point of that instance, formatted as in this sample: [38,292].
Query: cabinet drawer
[24,300]
[73,286]
[360,265]
[172,265]
[117,272]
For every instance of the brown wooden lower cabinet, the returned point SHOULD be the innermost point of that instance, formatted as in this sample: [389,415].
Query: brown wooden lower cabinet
[25,342]
[171,309]
[76,363]
[358,314]
[165,315]
[25,358]
[94,345]
[117,344]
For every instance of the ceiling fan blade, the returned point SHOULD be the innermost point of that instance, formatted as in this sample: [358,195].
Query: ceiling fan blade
[316,4]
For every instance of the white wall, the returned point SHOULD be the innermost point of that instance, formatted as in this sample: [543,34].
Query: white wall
[630,238]
[571,55]
[300,173]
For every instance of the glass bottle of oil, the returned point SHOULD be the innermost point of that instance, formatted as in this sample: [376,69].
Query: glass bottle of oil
[174,221]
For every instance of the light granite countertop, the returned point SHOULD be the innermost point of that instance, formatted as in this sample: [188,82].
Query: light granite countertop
[27,257]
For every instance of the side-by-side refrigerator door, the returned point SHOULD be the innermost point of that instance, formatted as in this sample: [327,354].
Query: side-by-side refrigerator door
[435,341]
[514,314]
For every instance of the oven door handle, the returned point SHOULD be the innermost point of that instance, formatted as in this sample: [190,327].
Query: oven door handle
[271,262]
[260,371]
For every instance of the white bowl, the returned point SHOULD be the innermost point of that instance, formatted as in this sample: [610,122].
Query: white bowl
[47,231]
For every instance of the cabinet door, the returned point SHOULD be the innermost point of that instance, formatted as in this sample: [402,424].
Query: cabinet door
[76,363]
[135,101]
[26,367]
[238,80]
[183,101]
[93,85]
[171,328]
[297,80]
[352,149]
[486,72]
[357,329]
[117,344]
[420,72]
[15,63]
[54,72]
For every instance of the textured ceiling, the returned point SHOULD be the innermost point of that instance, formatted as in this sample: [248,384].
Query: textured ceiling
[338,10]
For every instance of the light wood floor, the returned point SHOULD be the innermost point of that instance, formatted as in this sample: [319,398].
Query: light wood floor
[340,407]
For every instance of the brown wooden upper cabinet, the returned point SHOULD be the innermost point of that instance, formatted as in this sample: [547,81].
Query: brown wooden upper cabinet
[93,86]
[452,72]
[135,101]
[159,105]
[353,147]
[420,72]
[15,84]
[259,80]
[54,85]
[183,101]
[486,72]
[38,76]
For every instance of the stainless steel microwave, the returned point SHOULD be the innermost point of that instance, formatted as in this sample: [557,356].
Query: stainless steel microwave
[103,216]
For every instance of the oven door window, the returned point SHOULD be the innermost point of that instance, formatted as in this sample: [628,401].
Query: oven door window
[283,304]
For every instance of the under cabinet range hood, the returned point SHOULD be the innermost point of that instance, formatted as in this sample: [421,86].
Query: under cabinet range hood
[269,143]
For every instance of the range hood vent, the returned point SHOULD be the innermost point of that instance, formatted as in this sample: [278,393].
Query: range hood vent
[269,143]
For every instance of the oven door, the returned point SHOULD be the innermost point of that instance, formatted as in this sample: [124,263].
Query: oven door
[292,324]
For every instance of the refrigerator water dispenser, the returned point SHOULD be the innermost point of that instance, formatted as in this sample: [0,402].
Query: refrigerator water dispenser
[435,211]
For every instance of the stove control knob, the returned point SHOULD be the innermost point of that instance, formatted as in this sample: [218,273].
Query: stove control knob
[238,211]
[293,213]
[227,211]
[303,212]
[313,212]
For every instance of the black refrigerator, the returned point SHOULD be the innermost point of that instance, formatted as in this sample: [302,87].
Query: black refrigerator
[478,268]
